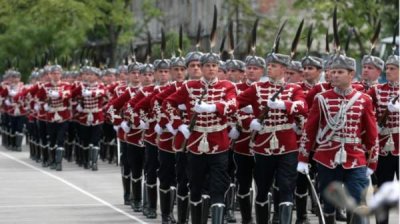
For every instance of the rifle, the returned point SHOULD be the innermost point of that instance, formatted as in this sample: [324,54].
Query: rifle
[382,120]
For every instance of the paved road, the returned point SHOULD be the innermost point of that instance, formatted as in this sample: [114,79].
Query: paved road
[32,194]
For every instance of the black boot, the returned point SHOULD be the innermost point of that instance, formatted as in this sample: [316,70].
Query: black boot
[196,212]
[275,195]
[353,218]
[18,141]
[341,215]
[136,200]
[95,157]
[245,208]
[126,184]
[217,213]
[285,213]
[382,217]
[86,158]
[330,218]
[165,204]
[262,215]
[183,206]
[37,152]
[230,204]
[52,162]
[173,201]
[301,209]
[205,210]
[45,156]
[145,200]
[152,201]
[58,158]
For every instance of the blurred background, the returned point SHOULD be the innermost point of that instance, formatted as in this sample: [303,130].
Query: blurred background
[106,31]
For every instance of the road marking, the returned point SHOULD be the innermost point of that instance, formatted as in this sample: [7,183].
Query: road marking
[74,187]
[51,205]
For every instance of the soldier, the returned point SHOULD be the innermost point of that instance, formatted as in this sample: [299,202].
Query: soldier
[91,94]
[336,121]
[208,142]
[372,68]
[15,109]
[275,145]
[57,95]
[386,100]
[244,159]
[312,70]
[235,70]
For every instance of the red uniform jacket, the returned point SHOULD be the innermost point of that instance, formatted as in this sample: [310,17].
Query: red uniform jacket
[209,128]
[342,134]
[57,109]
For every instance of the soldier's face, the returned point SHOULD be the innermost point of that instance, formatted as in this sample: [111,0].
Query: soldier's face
[311,73]
[55,76]
[222,75]
[235,75]
[122,76]
[392,73]
[254,73]
[370,72]
[194,70]
[146,78]
[178,73]
[133,77]
[163,75]
[341,78]
[91,77]
[275,71]
[293,76]
[210,70]
[328,75]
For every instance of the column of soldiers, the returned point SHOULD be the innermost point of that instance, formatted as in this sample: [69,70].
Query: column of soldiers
[198,130]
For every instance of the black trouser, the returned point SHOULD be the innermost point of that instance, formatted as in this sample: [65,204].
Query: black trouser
[244,172]
[134,158]
[231,166]
[151,163]
[108,132]
[280,167]
[388,167]
[70,132]
[57,133]
[17,124]
[166,172]
[182,173]
[125,165]
[211,166]
[43,132]
[91,135]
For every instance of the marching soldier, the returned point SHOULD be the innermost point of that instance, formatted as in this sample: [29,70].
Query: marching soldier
[243,157]
[56,94]
[91,94]
[336,120]
[386,100]
[294,72]
[372,68]
[208,102]
[275,146]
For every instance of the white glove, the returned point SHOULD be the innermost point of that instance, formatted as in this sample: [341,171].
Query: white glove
[86,93]
[54,95]
[234,133]
[13,93]
[255,125]
[247,109]
[158,129]
[393,107]
[303,168]
[143,125]
[205,108]
[116,127]
[125,126]
[7,102]
[171,129]
[388,193]
[46,107]
[79,108]
[369,172]
[36,107]
[182,107]
[277,104]
[184,128]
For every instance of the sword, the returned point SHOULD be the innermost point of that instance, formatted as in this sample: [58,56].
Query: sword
[315,195]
